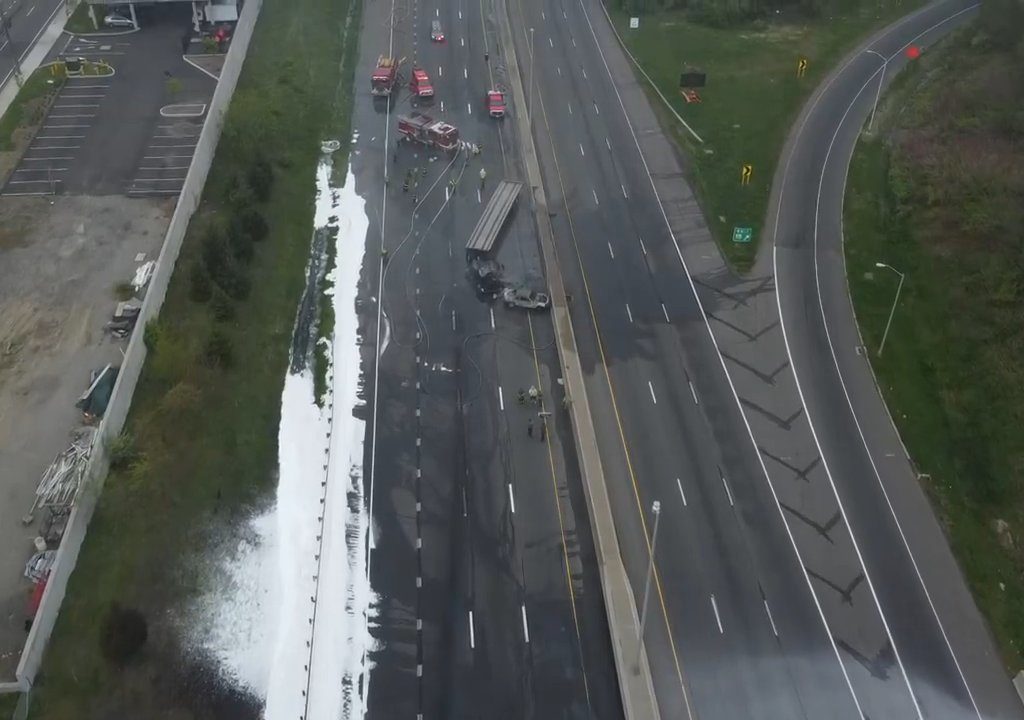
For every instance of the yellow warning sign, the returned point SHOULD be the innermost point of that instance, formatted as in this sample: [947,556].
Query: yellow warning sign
[801,67]
[746,174]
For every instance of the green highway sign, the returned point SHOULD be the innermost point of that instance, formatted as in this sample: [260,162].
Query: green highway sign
[742,234]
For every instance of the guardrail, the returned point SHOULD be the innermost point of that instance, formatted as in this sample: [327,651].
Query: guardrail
[131,366]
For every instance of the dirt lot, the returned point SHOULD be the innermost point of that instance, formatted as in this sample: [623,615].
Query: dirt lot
[60,265]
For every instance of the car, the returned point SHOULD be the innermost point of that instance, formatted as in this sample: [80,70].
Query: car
[525,298]
[436,33]
[496,103]
[115,20]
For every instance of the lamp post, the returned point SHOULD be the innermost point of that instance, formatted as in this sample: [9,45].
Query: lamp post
[878,92]
[895,300]
[656,509]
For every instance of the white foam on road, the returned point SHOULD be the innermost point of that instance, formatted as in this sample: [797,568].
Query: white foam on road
[254,620]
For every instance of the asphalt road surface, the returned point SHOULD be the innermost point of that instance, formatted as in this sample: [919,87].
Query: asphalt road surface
[482,559]
[28,20]
[947,656]
[771,598]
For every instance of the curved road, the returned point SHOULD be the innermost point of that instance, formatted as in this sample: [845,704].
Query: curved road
[937,631]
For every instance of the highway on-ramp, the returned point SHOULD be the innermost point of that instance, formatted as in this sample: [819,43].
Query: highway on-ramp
[943,643]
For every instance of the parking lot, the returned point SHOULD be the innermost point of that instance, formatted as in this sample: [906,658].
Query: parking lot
[167,157]
[54,150]
[121,134]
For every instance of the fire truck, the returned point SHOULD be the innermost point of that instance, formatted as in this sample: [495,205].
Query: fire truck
[420,85]
[428,131]
[384,77]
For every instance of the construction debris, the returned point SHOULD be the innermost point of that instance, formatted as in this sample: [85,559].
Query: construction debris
[142,275]
[59,485]
[93,402]
[38,567]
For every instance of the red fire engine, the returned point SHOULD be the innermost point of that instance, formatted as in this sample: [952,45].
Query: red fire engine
[420,83]
[382,82]
[428,131]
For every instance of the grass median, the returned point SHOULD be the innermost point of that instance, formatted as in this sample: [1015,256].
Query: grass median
[200,447]
[939,197]
[752,97]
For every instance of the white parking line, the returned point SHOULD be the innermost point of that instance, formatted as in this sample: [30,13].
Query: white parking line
[164,157]
[679,484]
[718,619]
[440,71]
[89,87]
[469,108]
[63,127]
[78,115]
[174,146]
[90,95]
[39,170]
[60,137]
[54,147]
[156,180]
[27,182]
[77,105]
[30,11]
[650,387]
[47,159]
[465,73]
[167,167]
[511,499]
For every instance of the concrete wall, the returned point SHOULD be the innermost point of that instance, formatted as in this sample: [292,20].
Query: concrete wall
[131,367]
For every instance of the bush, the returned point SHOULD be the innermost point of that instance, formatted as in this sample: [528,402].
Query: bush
[222,307]
[261,177]
[151,335]
[240,241]
[217,257]
[238,192]
[199,286]
[219,349]
[123,634]
[122,451]
[251,220]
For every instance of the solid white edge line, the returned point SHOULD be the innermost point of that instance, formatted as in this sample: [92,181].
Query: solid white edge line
[714,341]
[846,394]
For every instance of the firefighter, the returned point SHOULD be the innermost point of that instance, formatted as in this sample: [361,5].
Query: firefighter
[483,177]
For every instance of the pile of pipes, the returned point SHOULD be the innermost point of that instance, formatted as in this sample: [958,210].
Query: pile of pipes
[61,481]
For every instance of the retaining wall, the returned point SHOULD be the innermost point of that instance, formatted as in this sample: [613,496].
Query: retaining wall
[135,356]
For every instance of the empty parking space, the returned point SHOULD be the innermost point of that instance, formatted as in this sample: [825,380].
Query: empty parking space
[165,161]
[55,148]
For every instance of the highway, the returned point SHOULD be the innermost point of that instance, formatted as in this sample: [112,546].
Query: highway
[785,588]
[28,20]
[489,602]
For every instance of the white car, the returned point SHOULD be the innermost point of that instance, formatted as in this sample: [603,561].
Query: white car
[115,20]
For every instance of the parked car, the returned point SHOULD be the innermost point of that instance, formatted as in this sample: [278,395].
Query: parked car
[436,33]
[115,20]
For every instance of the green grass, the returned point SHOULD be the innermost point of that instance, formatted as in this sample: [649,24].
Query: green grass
[200,431]
[79,21]
[7,704]
[752,98]
[952,372]
[28,105]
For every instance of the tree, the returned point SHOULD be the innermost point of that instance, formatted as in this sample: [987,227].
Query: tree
[123,634]
[219,350]
[261,177]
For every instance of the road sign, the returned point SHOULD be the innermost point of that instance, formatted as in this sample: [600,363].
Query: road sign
[742,234]
[634,23]
[692,79]
[801,67]
[745,174]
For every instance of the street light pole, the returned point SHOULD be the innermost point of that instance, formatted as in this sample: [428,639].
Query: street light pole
[656,509]
[878,92]
[892,311]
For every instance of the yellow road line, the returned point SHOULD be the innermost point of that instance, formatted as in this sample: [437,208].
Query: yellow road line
[615,410]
